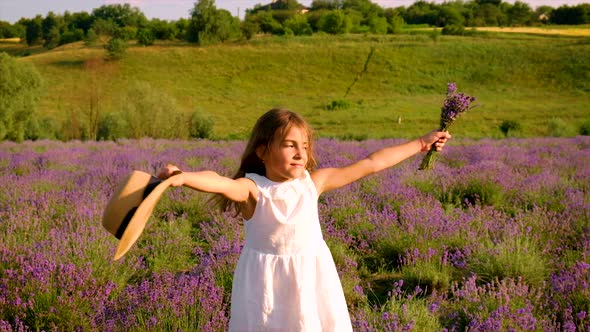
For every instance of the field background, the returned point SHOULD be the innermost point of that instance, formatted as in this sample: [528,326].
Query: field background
[533,79]
[496,237]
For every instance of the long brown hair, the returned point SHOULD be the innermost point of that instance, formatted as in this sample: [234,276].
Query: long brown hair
[270,127]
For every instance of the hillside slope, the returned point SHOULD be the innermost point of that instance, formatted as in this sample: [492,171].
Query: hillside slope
[530,79]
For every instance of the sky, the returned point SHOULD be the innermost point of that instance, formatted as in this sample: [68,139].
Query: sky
[12,10]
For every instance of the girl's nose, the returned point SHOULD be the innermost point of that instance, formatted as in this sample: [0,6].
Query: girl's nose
[299,153]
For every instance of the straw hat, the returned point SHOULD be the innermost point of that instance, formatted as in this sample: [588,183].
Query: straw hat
[129,209]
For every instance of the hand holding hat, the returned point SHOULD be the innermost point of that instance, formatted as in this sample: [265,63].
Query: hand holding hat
[168,171]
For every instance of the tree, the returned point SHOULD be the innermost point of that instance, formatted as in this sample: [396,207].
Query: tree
[488,15]
[121,15]
[395,20]
[20,90]
[9,31]
[209,25]
[520,14]
[202,24]
[569,15]
[102,27]
[326,4]
[80,20]
[51,26]
[227,26]
[163,30]
[298,24]
[421,12]
[34,32]
[489,2]
[450,15]
[335,22]
[52,39]
[366,7]
[264,20]
[286,5]
[182,27]
[378,24]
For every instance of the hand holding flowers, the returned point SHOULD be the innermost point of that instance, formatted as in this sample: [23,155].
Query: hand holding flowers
[455,104]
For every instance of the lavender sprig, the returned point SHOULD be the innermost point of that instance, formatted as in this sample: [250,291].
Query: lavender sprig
[455,104]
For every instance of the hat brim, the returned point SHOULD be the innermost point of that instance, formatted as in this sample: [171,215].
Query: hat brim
[139,220]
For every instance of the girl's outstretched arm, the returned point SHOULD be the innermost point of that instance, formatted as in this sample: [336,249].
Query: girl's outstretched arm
[327,179]
[238,190]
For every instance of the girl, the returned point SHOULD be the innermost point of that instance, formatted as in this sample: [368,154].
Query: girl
[285,279]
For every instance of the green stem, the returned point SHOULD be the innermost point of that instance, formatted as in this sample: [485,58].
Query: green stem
[429,158]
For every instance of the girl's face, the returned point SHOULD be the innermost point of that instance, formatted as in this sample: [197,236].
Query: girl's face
[286,159]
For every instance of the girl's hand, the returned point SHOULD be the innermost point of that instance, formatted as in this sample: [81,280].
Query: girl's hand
[438,138]
[168,171]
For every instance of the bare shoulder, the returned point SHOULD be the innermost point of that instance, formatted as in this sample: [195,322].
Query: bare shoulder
[319,177]
[248,183]
[247,207]
[251,187]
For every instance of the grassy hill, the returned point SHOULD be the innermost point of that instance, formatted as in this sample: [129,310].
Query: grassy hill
[543,82]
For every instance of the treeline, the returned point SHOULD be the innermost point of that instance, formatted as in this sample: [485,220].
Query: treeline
[208,24]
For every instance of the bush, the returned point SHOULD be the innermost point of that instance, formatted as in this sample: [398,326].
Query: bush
[585,128]
[378,25]
[396,24]
[428,275]
[299,25]
[201,125]
[126,33]
[149,112]
[20,90]
[145,37]
[116,48]
[508,126]
[338,104]
[453,29]
[74,127]
[335,22]
[71,36]
[558,128]
[249,29]
[111,127]
[32,129]
[91,37]
[48,128]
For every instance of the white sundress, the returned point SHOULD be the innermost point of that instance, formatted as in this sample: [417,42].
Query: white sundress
[285,279]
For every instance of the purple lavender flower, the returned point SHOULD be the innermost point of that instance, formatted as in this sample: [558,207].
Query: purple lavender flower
[454,105]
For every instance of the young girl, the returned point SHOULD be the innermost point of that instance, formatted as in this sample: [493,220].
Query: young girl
[285,279]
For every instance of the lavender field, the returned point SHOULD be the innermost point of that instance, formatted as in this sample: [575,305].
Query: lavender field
[496,237]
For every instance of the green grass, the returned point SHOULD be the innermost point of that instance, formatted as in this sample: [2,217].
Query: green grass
[511,258]
[532,79]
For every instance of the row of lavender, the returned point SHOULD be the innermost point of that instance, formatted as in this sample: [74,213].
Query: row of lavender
[496,237]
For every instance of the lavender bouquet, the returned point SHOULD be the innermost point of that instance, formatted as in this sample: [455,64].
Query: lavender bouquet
[455,104]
